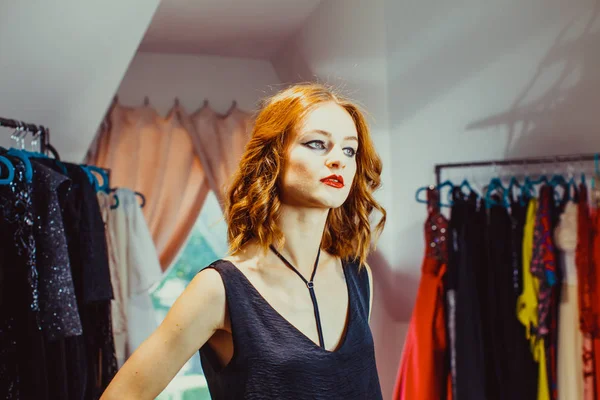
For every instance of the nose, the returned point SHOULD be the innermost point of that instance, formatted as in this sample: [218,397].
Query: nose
[336,159]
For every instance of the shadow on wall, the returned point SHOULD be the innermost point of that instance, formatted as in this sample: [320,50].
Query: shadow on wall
[446,52]
[397,303]
[565,117]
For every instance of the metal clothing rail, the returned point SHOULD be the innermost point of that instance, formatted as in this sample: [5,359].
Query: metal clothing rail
[514,161]
[43,131]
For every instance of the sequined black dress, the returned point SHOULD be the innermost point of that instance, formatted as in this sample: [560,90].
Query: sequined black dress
[55,336]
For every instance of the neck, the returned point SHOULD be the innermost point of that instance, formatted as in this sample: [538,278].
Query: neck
[303,230]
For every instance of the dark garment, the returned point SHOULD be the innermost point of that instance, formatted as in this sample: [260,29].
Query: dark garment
[523,370]
[499,292]
[511,371]
[464,258]
[451,285]
[92,362]
[54,286]
[58,305]
[84,365]
[22,352]
[273,360]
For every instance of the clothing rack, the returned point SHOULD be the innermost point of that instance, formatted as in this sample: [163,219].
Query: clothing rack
[43,131]
[515,161]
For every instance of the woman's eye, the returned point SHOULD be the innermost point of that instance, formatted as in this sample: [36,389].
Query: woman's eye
[350,152]
[316,144]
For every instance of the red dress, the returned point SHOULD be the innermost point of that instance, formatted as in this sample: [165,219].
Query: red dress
[424,372]
[586,277]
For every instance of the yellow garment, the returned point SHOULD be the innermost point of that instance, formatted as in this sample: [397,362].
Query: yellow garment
[528,302]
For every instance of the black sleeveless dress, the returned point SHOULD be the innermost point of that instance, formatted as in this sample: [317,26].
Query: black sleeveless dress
[274,360]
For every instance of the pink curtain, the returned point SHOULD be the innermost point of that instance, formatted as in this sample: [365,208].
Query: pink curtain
[174,161]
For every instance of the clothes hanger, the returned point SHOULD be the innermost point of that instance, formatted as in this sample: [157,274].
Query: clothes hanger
[105,181]
[495,186]
[140,195]
[463,185]
[39,154]
[596,182]
[446,183]
[20,154]
[91,177]
[116,205]
[105,187]
[11,171]
[513,183]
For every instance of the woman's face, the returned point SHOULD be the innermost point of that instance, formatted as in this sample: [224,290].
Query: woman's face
[321,160]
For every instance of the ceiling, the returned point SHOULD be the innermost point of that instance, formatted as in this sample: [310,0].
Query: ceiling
[234,28]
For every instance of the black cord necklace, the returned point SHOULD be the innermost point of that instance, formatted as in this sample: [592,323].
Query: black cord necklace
[311,290]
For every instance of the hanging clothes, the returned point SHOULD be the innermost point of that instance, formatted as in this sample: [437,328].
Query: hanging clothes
[22,363]
[55,339]
[465,248]
[570,339]
[522,368]
[424,372]
[498,311]
[134,268]
[527,307]
[50,193]
[543,268]
[510,368]
[585,279]
[596,296]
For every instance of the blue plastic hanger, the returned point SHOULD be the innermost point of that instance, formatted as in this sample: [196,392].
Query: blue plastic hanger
[11,171]
[463,185]
[596,170]
[91,177]
[529,185]
[439,188]
[25,159]
[495,184]
[105,184]
[512,184]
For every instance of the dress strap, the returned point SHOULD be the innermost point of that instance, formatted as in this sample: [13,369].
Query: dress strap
[311,290]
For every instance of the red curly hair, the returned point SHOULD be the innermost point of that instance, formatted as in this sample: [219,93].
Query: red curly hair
[252,204]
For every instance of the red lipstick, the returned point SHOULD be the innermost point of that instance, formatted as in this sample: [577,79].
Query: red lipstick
[336,181]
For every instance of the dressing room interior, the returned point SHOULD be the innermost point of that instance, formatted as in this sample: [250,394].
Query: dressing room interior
[486,117]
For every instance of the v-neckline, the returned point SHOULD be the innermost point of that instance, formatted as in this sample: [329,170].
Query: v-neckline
[347,323]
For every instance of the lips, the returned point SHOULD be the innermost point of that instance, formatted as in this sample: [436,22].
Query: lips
[336,181]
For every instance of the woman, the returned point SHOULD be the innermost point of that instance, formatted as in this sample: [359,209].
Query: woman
[285,316]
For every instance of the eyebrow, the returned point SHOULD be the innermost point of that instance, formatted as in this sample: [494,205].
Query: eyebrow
[322,132]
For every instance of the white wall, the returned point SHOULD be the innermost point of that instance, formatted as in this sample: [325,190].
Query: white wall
[463,81]
[191,78]
[61,62]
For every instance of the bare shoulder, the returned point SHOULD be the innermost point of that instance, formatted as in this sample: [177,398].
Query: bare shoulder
[209,279]
[206,291]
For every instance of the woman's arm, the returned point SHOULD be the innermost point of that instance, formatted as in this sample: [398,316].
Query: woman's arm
[191,321]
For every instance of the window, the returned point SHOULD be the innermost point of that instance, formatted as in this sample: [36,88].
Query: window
[207,242]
